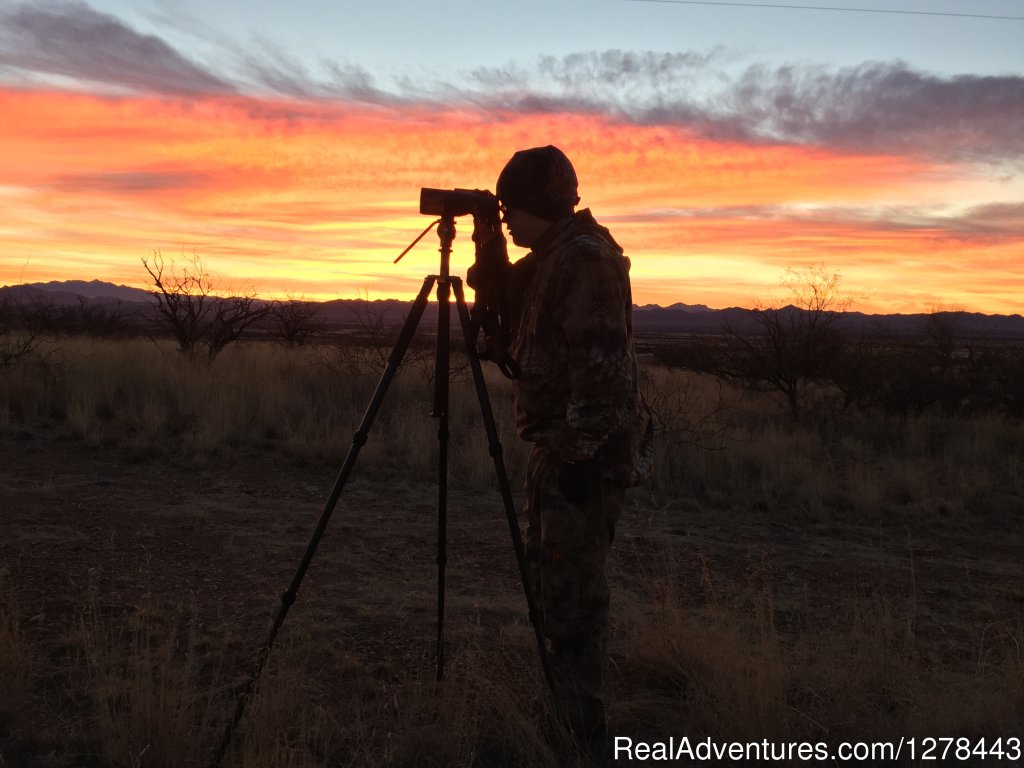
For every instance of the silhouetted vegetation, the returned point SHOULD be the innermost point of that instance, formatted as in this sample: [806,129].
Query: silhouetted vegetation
[793,347]
[296,321]
[802,352]
[895,375]
[201,322]
[23,324]
[95,319]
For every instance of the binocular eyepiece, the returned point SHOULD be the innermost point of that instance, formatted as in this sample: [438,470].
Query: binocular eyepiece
[457,202]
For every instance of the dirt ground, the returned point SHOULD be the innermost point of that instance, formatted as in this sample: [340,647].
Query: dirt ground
[225,539]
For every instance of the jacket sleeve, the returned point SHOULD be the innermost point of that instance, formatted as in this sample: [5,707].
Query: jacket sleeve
[519,276]
[595,305]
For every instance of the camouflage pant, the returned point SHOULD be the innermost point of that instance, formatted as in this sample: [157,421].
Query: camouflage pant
[567,545]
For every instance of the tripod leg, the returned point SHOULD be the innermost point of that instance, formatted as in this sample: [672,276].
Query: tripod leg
[469,332]
[442,366]
[358,441]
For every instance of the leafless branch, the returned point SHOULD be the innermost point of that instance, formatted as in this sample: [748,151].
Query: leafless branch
[201,322]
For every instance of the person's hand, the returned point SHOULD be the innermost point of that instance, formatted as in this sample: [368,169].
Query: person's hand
[486,219]
[491,260]
[574,479]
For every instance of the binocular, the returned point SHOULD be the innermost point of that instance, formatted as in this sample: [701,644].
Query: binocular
[457,202]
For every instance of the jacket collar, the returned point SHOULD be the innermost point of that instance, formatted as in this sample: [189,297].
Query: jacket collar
[580,222]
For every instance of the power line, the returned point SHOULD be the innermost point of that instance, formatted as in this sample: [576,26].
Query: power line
[832,8]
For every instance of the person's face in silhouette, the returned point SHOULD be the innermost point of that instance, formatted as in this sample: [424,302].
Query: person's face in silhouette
[524,228]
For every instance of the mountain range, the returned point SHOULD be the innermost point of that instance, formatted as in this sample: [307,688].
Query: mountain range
[648,318]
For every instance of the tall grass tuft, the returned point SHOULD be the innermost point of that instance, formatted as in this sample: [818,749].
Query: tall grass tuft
[161,696]
[151,705]
[16,662]
[719,670]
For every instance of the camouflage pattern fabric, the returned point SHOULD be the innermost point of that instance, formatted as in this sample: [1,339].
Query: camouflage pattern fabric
[578,392]
[566,545]
[577,399]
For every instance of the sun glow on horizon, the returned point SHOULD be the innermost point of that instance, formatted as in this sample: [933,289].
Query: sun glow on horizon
[316,199]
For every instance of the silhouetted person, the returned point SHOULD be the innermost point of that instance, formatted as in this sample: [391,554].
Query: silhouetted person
[577,402]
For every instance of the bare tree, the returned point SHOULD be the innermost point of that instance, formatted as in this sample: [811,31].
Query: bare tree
[295,320]
[368,348]
[942,335]
[201,322]
[685,408]
[23,322]
[796,343]
[94,319]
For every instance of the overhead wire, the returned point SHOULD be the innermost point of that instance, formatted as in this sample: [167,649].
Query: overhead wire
[834,8]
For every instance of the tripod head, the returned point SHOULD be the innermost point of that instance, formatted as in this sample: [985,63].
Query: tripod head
[490,309]
[446,231]
[449,203]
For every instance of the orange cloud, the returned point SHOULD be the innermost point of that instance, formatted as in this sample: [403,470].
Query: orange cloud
[319,197]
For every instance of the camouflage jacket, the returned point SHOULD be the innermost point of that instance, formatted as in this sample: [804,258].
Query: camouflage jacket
[578,392]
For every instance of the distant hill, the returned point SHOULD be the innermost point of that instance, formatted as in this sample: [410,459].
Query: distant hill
[647,319]
[68,291]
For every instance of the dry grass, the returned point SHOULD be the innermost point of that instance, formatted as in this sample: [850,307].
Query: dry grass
[150,402]
[722,447]
[159,692]
[16,663]
[861,670]
[160,686]
[144,672]
[719,671]
[708,646]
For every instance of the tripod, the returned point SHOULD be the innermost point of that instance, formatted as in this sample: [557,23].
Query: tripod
[446,284]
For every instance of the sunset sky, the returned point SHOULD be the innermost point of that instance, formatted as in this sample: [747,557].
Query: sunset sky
[286,143]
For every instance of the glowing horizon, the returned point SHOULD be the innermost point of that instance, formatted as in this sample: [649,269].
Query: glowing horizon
[316,198]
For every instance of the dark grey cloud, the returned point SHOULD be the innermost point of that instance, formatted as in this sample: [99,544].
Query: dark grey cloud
[624,84]
[275,70]
[990,223]
[70,39]
[983,224]
[595,72]
[884,107]
[998,220]
[272,69]
[877,107]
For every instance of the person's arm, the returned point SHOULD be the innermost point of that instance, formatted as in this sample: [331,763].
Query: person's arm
[594,304]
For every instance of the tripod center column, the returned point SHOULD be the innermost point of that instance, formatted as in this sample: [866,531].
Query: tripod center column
[446,233]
